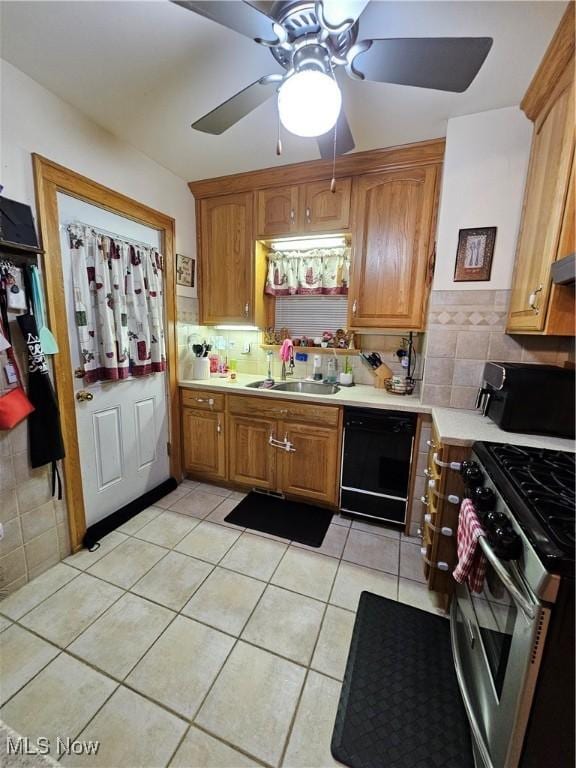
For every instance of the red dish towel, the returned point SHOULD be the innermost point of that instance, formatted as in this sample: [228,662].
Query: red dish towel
[471,562]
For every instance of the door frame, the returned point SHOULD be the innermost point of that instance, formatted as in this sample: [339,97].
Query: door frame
[49,179]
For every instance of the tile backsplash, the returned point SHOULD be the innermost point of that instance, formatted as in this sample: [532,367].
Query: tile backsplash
[255,362]
[467,328]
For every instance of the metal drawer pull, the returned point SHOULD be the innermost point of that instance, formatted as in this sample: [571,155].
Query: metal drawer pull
[444,530]
[455,465]
[209,400]
[506,579]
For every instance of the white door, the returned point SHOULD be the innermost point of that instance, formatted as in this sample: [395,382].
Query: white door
[123,430]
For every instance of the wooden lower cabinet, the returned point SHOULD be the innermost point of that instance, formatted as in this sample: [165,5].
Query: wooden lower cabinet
[204,443]
[310,469]
[442,514]
[227,438]
[252,460]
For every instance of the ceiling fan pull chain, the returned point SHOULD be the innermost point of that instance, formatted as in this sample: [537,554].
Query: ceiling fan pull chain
[333,181]
[279,140]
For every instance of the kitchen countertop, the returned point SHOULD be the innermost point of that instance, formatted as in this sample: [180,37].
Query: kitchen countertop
[454,426]
[360,395]
[459,427]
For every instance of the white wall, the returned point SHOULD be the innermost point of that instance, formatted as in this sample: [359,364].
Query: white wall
[483,186]
[35,120]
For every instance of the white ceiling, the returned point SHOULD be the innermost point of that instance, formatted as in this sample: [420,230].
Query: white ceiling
[146,70]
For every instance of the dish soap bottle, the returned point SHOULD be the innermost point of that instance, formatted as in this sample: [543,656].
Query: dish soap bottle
[317,370]
[332,373]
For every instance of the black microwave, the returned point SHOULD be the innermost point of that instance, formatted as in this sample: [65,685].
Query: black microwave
[529,397]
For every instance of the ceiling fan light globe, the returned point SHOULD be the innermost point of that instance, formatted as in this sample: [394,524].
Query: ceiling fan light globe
[309,103]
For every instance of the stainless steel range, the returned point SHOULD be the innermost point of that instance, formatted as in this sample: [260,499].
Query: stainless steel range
[514,643]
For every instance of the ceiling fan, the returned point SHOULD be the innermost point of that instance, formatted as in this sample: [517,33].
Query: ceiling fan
[311,41]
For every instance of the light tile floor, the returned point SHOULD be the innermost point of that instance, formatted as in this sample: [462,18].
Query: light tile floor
[189,642]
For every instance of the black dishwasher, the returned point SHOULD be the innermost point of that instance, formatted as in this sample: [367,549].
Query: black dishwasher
[376,463]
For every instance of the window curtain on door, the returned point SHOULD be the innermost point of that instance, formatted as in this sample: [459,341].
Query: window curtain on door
[118,304]
[318,271]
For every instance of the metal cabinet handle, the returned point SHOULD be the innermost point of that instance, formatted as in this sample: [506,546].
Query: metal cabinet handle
[218,427]
[424,500]
[354,307]
[292,216]
[246,309]
[533,299]
[431,444]
[308,216]
[82,396]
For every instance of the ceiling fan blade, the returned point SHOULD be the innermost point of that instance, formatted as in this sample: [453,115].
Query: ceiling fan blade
[344,139]
[337,12]
[442,63]
[234,14]
[234,109]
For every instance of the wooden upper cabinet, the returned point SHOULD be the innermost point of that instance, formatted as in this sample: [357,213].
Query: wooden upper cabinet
[277,211]
[544,205]
[302,209]
[226,256]
[326,211]
[393,241]
[547,227]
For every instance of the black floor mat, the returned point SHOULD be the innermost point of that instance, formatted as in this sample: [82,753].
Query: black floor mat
[400,705]
[289,519]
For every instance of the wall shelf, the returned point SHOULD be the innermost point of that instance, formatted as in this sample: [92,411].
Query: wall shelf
[314,350]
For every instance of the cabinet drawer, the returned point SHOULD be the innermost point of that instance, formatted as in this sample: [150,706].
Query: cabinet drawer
[202,400]
[284,409]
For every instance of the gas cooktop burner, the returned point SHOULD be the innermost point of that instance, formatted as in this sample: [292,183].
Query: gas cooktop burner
[545,481]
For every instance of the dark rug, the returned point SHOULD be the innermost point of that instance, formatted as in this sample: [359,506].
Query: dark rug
[292,520]
[400,705]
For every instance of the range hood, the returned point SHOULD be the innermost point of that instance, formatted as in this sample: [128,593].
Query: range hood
[564,270]
[17,232]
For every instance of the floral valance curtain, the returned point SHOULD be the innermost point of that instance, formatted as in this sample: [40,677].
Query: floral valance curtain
[118,304]
[316,271]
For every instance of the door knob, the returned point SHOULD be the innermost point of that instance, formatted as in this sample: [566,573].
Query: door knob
[83,396]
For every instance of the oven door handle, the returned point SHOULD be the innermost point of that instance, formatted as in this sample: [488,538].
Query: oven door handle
[474,727]
[526,605]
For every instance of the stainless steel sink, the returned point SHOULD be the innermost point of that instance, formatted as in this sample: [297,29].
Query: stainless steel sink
[258,384]
[306,387]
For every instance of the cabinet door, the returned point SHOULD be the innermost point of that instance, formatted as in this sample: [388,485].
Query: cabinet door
[203,441]
[226,259]
[252,459]
[393,242]
[277,211]
[310,470]
[550,159]
[326,211]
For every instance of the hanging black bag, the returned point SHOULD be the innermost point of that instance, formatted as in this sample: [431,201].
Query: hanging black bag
[45,437]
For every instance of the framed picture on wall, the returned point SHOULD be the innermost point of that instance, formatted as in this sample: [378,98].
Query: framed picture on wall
[474,254]
[185,270]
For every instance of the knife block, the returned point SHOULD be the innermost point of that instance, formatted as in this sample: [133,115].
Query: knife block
[382,373]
